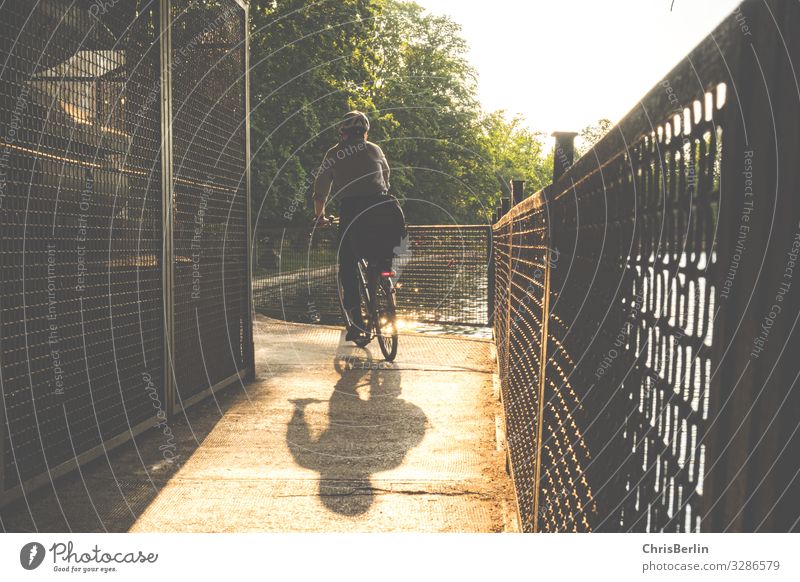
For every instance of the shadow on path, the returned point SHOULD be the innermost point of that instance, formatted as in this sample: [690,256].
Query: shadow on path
[369,429]
[112,492]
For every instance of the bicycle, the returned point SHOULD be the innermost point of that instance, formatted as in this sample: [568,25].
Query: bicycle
[378,304]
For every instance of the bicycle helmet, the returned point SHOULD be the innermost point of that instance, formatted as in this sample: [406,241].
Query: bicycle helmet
[353,121]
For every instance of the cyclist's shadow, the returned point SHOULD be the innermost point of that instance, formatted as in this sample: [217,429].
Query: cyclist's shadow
[370,429]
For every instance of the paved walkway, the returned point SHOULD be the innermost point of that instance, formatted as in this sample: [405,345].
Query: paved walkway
[329,438]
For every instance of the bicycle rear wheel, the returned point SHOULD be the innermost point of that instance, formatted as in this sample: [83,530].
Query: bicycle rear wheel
[386,323]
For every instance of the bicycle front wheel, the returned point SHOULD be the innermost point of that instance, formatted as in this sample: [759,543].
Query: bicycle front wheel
[386,324]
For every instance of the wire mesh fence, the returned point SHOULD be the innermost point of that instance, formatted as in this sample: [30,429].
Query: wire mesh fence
[81,308]
[441,275]
[627,306]
[210,203]
[85,218]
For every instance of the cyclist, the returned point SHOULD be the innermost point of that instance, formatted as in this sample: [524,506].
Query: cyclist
[358,172]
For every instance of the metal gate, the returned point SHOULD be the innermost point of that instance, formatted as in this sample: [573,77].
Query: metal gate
[109,219]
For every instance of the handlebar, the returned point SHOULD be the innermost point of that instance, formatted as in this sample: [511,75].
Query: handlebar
[323,224]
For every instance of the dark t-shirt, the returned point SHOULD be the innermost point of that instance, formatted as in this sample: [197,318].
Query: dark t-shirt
[352,168]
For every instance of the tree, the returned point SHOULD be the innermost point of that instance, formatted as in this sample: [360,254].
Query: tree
[426,104]
[407,69]
[309,63]
[516,153]
[591,134]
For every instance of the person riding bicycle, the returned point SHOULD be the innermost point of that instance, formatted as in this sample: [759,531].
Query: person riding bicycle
[358,172]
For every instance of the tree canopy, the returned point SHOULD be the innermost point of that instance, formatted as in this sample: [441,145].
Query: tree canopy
[311,61]
[591,134]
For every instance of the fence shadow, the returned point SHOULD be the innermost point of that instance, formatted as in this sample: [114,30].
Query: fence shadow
[113,491]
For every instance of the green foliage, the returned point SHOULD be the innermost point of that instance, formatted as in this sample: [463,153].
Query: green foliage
[314,60]
[309,61]
[591,134]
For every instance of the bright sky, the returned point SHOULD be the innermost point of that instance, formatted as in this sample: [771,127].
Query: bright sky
[564,64]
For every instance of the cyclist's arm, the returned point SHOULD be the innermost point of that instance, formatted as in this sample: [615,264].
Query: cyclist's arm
[319,207]
[384,169]
[322,186]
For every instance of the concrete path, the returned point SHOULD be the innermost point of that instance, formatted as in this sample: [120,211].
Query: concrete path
[329,438]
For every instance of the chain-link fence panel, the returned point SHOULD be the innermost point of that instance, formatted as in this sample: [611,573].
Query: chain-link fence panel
[90,206]
[82,342]
[210,199]
[441,275]
[632,298]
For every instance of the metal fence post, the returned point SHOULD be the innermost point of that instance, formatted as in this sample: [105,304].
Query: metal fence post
[545,334]
[167,208]
[510,294]
[249,347]
[490,303]
[564,153]
[517,191]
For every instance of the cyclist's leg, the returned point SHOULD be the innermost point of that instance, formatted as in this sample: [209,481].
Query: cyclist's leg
[348,269]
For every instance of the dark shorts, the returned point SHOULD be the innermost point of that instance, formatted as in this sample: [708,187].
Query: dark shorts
[371,226]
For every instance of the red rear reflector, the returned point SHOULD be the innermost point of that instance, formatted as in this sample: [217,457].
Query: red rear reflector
[388,274]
